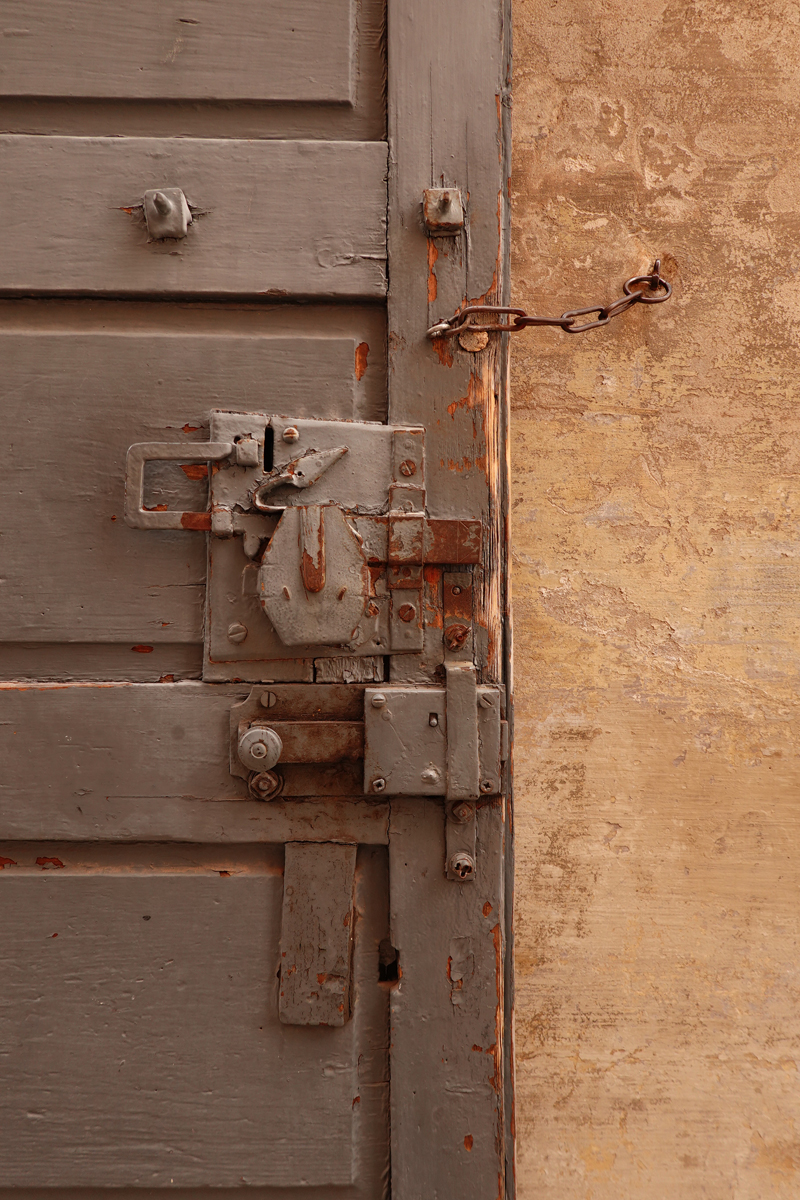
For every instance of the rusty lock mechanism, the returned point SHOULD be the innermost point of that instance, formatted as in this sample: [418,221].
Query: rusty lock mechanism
[323,525]
[294,739]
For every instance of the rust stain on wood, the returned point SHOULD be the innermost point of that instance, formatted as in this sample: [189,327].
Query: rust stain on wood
[362,354]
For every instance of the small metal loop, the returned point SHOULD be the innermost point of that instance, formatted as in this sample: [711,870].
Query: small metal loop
[582,312]
[618,307]
[652,281]
[525,321]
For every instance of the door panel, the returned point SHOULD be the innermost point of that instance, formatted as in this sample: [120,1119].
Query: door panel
[249,235]
[81,398]
[153,1053]
[194,50]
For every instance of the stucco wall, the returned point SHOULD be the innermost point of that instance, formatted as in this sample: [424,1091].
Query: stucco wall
[656,476]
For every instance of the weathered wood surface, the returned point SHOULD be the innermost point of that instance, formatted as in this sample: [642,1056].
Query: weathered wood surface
[145,761]
[250,50]
[316,934]
[447,95]
[120,1077]
[73,402]
[253,237]
[447,1011]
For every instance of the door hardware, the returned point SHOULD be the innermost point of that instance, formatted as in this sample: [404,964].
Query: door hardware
[392,747]
[442,211]
[167,213]
[329,537]
[644,289]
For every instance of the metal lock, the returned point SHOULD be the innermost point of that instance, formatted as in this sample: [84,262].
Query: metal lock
[167,213]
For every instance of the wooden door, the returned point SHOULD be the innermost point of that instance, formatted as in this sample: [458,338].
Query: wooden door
[254,822]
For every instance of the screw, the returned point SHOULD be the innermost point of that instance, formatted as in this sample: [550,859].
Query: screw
[455,636]
[268,699]
[486,701]
[264,785]
[379,784]
[456,590]
[378,700]
[291,434]
[407,612]
[487,785]
[462,865]
[237,632]
[462,812]
[408,467]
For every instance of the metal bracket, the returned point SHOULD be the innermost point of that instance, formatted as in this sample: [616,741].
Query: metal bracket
[442,211]
[422,741]
[167,213]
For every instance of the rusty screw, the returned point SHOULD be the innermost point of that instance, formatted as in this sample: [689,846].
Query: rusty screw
[407,612]
[455,590]
[455,636]
[462,865]
[462,812]
[237,632]
[265,785]
[408,467]
[291,434]
[487,786]
[379,784]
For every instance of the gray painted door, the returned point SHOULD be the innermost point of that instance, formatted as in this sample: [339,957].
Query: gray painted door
[254,819]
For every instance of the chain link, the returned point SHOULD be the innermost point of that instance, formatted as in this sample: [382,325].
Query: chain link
[644,289]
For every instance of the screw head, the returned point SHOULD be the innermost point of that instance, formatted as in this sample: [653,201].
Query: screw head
[268,699]
[379,784]
[462,865]
[237,632]
[486,701]
[407,612]
[258,750]
[462,812]
[455,590]
[408,467]
[291,434]
[378,700]
[455,636]
[487,786]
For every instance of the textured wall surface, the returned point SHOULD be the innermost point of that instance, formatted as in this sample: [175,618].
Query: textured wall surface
[656,473]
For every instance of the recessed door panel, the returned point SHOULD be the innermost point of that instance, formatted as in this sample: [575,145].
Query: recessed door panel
[142,1044]
[199,49]
[269,218]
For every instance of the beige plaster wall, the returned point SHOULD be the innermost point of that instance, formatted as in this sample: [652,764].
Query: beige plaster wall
[656,475]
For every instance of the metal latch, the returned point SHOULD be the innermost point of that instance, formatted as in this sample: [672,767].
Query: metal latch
[325,525]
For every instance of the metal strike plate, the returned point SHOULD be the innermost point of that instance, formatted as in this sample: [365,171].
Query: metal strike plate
[167,213]
[442,210]
[418,740]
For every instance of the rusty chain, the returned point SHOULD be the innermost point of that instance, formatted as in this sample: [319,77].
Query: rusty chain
[635,292]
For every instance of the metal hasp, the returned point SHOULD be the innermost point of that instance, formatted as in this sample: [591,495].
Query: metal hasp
[421,741]
[324,527]
[442,211]
[167,213]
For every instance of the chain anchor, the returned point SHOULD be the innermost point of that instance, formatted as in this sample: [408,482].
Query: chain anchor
[644,289]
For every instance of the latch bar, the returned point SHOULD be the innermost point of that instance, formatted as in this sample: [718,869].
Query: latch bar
[463,760]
